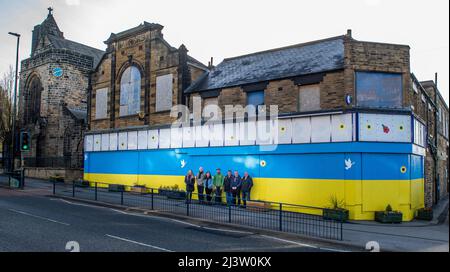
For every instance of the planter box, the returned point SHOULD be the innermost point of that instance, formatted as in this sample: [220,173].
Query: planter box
[139,190]
[82,183]
[163,192]
[425,215]
[116,188]
[336,215]
[258,206]
[389,218]
[178,195]
[172,194]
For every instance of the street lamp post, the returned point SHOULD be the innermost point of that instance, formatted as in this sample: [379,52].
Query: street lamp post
[14,101]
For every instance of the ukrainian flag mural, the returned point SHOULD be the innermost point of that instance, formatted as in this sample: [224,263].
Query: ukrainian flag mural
[368,161]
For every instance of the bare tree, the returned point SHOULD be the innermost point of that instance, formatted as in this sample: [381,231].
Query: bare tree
[6,93]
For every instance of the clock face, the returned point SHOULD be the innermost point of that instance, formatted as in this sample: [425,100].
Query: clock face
[58,72]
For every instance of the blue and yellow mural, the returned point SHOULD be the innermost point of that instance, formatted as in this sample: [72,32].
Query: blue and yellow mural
[367,176]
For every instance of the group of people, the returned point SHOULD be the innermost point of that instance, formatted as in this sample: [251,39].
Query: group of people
[210,187]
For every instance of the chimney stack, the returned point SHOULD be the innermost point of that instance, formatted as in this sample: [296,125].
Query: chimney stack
[211,63]
[349,33]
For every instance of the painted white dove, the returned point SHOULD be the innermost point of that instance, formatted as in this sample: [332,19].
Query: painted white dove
[183,163]
[349,164]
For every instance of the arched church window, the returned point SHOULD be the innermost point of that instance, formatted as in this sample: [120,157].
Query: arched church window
[130,91]
[33,101]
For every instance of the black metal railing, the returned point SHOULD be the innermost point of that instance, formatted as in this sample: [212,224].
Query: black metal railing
[283,217]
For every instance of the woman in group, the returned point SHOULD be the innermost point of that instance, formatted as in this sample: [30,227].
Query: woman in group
[189,180]
[208,186]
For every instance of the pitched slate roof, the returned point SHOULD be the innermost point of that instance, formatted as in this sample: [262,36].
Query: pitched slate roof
[296,60]
[78,114]
[61,43]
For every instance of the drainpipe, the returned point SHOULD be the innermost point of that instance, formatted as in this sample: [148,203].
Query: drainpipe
[436,142]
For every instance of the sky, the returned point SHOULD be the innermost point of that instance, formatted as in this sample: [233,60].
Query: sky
[222,29]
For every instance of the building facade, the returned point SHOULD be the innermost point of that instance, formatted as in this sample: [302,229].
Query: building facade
[53,100]
[347,126]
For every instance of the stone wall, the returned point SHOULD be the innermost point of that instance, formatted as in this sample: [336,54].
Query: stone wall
[45,173]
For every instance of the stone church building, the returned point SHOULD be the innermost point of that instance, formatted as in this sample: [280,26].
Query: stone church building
[53,101]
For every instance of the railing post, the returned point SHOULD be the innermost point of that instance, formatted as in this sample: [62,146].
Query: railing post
[229,214]
[121,198]
[54,187]
[281,217]
[152,199]
[73,188]
[187,208]
[342,232]
[96,191]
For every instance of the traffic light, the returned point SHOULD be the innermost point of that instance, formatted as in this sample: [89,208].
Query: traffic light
[25,143]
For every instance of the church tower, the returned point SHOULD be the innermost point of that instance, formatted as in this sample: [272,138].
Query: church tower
[53,101]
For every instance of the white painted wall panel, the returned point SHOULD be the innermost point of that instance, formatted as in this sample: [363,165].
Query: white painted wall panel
[142,140]
[89,143]
[321,129]
[132,140]
[97,142]
[231,134]
[301,130]
[153,139]
[284,132]
[164,138]
[216,135]
[202,136]
[123,141]
[176,138]
[264,133]
[188,137]
[247,132]
[113,141]
[384,128]
[342,128]
[105,142]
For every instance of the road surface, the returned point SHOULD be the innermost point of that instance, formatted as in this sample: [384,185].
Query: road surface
[33,222]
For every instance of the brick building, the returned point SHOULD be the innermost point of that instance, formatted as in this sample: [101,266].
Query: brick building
[53,100]
[324,84]
[139,79]
[354,122]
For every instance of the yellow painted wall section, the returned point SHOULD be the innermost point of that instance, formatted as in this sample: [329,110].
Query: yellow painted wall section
[362,198]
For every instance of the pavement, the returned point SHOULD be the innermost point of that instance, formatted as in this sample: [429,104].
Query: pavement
[406,237]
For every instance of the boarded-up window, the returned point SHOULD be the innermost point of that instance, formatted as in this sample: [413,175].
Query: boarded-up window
[255,101]
[130,92]
[379,90]
[101,103]
[164,93]
[309,98]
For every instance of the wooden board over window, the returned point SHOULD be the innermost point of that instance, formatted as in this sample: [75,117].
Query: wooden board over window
[101,104]
[164,93]
[309,98]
